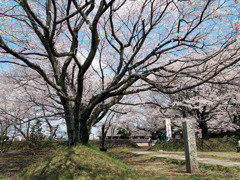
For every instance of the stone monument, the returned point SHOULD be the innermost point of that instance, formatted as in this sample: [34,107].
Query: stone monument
[190,147]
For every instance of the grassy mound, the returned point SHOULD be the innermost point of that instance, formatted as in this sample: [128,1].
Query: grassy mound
[213,144]
[79,162]
[115,143]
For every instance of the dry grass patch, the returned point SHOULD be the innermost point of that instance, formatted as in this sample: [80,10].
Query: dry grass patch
[149,167]
[221,155]
[15,161]
[233,156]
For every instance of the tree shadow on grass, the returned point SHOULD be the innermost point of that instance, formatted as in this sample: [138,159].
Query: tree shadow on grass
[15,161]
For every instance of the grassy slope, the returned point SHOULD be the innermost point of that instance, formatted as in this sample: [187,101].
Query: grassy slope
[217,144]
[83,162]
[78,162]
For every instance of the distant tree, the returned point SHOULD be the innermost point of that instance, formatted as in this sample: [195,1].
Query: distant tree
[4,128]
[36,136]
[25,99]
[106,125]
[201,104]
[111,123]
[231,119]
[209,106]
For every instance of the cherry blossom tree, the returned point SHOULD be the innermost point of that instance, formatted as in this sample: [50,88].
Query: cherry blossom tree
[212,108]
[208,103]
[11,110]
[106,125]
[41,97]
[232,109]
[93,53]
[202,105]
[230,120]
[24,103]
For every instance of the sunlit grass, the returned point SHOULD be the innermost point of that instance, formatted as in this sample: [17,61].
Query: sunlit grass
[233,156]
[78,162]
[149,167]
[87,162]
[213,144]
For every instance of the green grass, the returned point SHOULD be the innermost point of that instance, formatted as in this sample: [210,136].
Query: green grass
[149,167]
[201,165]
[115,143]
[79,162]
[87,162]
[216,171]
[213,144]
[232,156]
[43,145]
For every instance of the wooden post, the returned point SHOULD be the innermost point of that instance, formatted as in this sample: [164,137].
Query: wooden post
[190,147]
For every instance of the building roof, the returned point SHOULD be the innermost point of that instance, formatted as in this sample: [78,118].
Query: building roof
[114,131]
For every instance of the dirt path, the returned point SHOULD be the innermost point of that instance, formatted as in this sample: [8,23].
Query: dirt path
[202,160]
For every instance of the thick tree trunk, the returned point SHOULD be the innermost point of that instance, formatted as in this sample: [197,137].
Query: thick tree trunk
[84,133]
[1,141]
[70,138]
[78,132]
[103,136]
[71,130]
[204,127]
[77,128]
[72,127]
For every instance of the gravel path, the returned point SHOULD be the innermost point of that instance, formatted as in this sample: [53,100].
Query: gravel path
[202,160]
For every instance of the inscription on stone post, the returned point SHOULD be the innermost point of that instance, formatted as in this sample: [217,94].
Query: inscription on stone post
[190,147]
